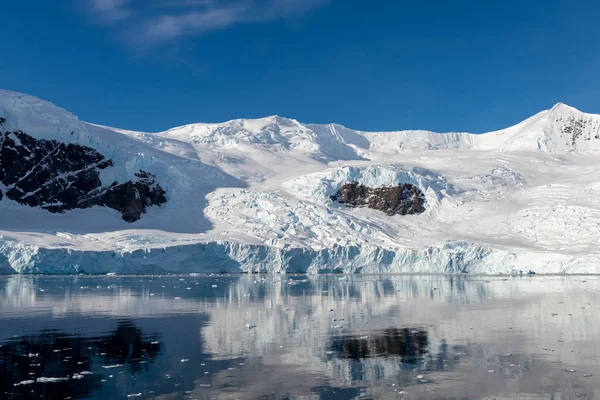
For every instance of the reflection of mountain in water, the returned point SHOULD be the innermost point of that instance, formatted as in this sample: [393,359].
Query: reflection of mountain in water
[408,344]
[312,335]
[28,360]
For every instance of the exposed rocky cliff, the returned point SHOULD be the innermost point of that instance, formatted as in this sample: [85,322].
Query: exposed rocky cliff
[132,198]
[401,199]
[59,176]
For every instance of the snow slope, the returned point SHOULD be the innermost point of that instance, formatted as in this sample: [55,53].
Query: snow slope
[253,195]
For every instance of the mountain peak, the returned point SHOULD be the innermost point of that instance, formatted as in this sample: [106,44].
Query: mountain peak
[562,108]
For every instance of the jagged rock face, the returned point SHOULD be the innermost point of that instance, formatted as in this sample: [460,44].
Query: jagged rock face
[48,174]
[132,198]
[402,199]
[575,128]
[63,176]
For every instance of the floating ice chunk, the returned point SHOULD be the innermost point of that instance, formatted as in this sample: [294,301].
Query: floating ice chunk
[112,366]
[23,383]
[51,380]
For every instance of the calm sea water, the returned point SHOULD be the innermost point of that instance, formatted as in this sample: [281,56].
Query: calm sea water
[324,337]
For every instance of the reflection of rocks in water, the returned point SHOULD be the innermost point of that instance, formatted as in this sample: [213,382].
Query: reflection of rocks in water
[69,359]
[126,345]
[392,354]
[408,344]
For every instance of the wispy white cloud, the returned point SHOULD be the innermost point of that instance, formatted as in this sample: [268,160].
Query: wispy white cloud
[110,11]
[151,22]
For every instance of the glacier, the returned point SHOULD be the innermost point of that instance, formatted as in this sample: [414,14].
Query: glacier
[254,196]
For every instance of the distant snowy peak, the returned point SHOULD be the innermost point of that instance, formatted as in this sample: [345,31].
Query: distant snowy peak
[561,128]
[273,134]
[578,130]
[270,132]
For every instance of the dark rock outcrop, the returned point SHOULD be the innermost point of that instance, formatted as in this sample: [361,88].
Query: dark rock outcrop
[132,198]
[48,174]
[402,199]
[63,176]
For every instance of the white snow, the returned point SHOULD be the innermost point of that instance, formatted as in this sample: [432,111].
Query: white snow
[253,195]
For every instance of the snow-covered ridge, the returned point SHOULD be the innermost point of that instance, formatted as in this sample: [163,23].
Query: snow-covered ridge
[254,195]
[561,128]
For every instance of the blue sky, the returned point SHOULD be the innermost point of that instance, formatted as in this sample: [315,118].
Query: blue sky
[368,64]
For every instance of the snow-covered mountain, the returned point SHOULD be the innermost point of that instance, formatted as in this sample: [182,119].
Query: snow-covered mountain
[256,195]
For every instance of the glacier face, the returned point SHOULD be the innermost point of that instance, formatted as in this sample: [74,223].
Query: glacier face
[254,196]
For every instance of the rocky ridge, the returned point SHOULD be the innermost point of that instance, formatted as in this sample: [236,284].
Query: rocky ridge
[58,177]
